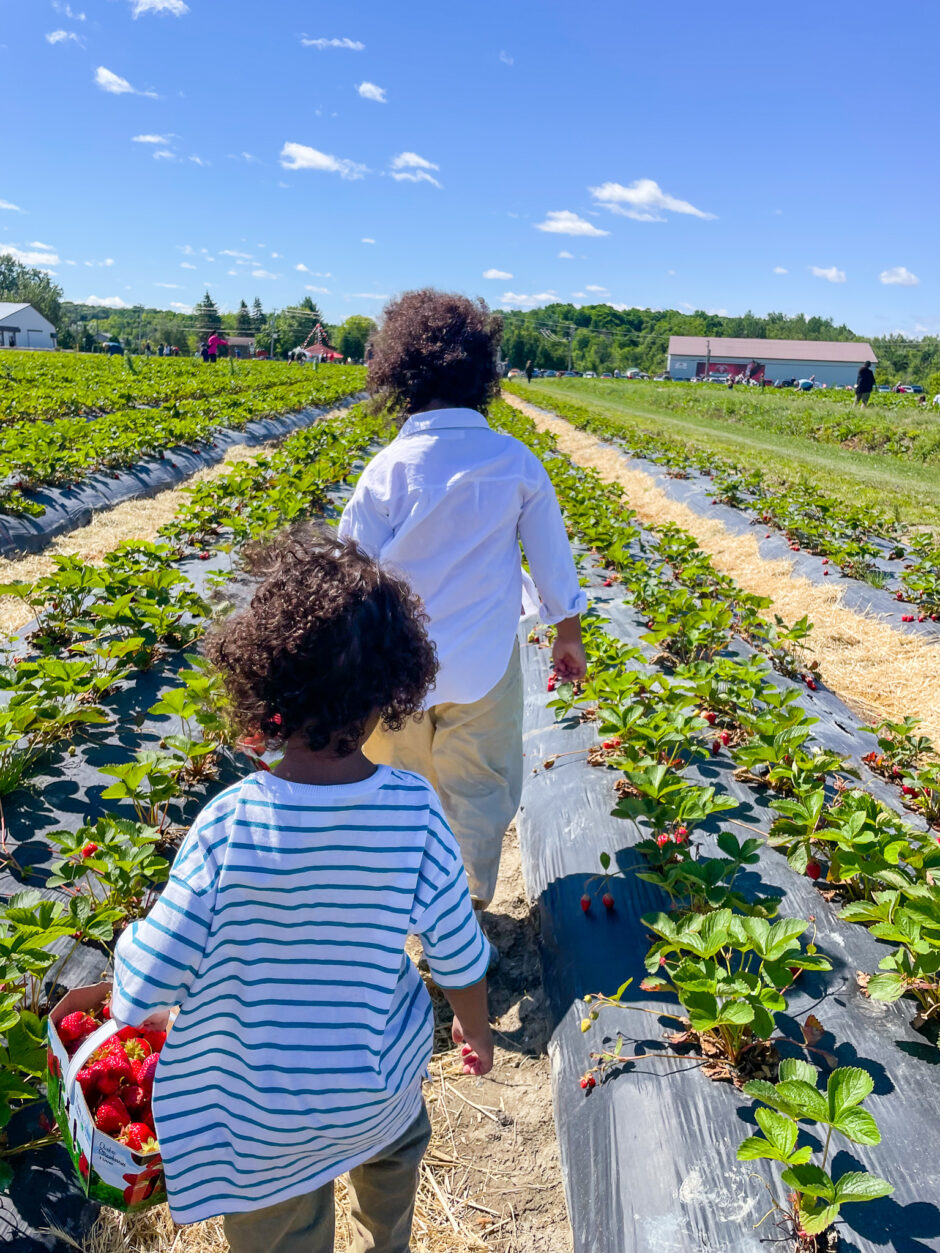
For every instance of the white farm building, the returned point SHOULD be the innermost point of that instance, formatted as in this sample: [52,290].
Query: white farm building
[835,364]
[22,327]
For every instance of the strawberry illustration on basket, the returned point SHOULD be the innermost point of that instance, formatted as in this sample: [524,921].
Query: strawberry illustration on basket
[145,1185]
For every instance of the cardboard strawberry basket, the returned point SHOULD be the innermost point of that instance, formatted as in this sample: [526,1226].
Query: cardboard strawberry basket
[120,1175]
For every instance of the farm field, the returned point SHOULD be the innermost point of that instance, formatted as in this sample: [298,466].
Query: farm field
[884,457]
[734,881]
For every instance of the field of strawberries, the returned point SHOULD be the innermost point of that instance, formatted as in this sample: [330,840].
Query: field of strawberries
[737,882]
[112,736]
[740,915]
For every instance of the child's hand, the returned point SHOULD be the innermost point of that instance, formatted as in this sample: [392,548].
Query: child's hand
[477,1051]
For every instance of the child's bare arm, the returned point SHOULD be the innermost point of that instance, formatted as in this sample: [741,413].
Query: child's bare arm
[471,1027]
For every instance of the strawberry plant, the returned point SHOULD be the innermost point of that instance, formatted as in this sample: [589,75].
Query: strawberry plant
[814,1195]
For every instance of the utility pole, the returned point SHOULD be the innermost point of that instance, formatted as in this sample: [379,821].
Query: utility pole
[570,344]
[273,331]
[708,358]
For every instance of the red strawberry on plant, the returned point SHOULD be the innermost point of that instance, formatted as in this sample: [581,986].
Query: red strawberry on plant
[586,903]
[111,1115]
[710,716]
[608,901]
[662,839]
[725,738]
[813,870]
[89,850]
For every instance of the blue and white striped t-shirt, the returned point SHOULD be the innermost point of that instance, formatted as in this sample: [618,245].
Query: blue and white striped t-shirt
[304,1030]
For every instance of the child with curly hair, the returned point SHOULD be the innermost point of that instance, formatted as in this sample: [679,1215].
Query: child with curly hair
[304,1030]
[446,505]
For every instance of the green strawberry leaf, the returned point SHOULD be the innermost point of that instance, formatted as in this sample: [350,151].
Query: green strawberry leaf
[780,1130]
[858,1126]
[847,1087]
[859,1185]
[810,1180]
[886,987]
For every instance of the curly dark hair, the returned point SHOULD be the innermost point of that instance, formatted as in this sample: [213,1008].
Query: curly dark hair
[434,345]
[328,640]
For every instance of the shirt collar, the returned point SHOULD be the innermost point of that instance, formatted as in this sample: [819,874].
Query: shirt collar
[444,420]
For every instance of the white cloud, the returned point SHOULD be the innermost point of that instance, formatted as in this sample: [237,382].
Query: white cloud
[366,240]
[198,161]
[781,269]
[831,274]
[899,276]
[300,157]
[565,255]
[163,140]
[301,268]
[232,273]
[117,86]
[33,256]
[644,201]
[366,295]
[230,252]
[170,286]
[164,155]
[180,307]
[353,45]
[34,243]
[564,222]
[416,176]
[369,91]
[107,302]
[276,256]
[62,36]
[187,265]
[263,274]
[175,8]
[540,298]
[506,58]
[594,287]
[411,161]
[579,295]
[187,250]
[10,207]
[66,11]
[322,291]
[105,264]
[496,274]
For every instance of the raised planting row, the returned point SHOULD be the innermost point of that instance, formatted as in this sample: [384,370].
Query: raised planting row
[68,450]
[717,763]
[863,542]
[57,385]
[114,735]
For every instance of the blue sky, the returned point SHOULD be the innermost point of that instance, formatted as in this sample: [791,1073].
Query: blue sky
[771,157]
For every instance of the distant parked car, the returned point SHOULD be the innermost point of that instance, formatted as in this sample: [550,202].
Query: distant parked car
[914,389]
[589,374]
[570,374]
[514,374]
[883,387]
[549,374]
[662,378]
[604,376]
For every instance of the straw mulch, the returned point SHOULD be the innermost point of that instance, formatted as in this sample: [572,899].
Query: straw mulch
[878,671]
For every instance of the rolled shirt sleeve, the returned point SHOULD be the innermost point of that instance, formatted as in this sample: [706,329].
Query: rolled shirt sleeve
[458,953]
[366,519]
[548,552]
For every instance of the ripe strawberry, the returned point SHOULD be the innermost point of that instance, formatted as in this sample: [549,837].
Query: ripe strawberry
[725,738]
[898,595]
[710,716]
[135,1098]
[111,1115]
[716,747]
[608,583]
[113,1070]
[811,684]
[908,791]
[76,1027]
[586,903]
[88,1082]
[825,571]
[203,556]
[89,850]
[662,839]
[139,1137]
[550,687]
[608,901]
[137,1050]
[825,561]
[813,870]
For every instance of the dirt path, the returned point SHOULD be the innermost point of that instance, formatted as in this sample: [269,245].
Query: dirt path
[877,671]
[491,1181]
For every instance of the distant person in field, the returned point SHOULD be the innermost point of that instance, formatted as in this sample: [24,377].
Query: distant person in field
[864,384]
[214,343]
[445,506]
[528,371]
[204,350]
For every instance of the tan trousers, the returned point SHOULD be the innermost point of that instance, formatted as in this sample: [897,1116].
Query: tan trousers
[382,1203]
[472,757]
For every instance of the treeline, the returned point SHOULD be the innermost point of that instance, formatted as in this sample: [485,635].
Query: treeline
[601,338]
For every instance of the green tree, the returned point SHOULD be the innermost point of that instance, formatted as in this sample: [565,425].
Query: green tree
[24,285]
[243,320]
[258,318]
[207,316]
[295,326]
[353,335]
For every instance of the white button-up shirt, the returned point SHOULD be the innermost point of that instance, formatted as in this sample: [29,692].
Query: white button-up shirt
[445,506]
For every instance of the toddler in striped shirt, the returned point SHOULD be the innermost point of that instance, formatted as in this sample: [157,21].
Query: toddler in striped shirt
[304,1029]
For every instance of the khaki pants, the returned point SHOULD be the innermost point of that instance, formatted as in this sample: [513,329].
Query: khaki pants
[382,1202]
[472,757]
